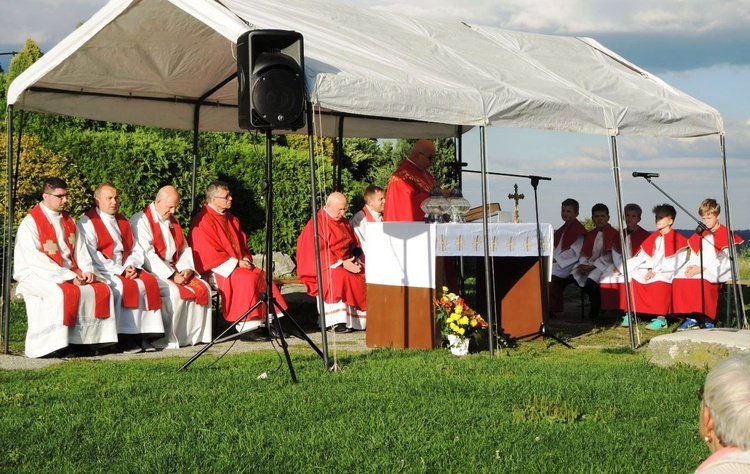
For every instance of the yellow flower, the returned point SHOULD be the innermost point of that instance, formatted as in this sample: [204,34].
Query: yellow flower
[460,331]
[463,321]
[459,309]
[445,289]
[473,322]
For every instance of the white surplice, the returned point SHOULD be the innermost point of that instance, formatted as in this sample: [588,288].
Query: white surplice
[138,320]
[38,277]
[185,322]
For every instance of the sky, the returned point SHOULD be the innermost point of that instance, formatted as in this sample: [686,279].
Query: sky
[700,47]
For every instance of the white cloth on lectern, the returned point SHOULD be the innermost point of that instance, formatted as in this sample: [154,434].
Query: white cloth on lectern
[38,277]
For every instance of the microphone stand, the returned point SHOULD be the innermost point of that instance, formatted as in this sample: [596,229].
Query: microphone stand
[544,329]
[699,230]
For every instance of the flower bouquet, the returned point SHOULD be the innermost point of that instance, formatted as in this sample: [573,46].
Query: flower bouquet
[458,322]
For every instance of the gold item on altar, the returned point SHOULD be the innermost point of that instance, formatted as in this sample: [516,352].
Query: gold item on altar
[516,197]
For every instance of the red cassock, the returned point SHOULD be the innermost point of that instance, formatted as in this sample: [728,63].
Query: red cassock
[655,297]
[687,295]
[214,239]
[407,188]
[336,242]
[613,294]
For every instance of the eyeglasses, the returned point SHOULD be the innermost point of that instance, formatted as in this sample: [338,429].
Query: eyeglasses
[228,196]
[59,196]
[429,157]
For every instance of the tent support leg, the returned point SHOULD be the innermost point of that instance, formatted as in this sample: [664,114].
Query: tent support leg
[7,248]
[488,281]
[618,199]
[737,296]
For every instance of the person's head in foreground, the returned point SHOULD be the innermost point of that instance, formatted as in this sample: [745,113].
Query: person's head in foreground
[724,422]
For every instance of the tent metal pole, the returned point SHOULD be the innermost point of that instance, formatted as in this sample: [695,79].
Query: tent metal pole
[7,249]
[458,148]
[489,283]
[737,296]
[314,207]
[620,222]
[193,178]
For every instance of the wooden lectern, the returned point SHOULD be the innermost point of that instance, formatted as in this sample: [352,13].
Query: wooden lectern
[404,264]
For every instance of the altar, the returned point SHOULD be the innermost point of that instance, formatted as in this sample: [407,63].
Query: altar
[404,268]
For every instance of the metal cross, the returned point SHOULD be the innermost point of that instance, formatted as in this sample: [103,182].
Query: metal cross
[516,197]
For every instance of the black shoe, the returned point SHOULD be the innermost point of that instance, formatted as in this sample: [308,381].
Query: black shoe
[342,329]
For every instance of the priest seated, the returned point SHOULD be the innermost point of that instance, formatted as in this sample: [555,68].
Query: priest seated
[65,304]
[220,250]
[342,266]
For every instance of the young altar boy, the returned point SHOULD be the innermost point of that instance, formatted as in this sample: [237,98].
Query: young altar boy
[568,244]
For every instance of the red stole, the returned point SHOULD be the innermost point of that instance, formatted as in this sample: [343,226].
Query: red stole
[609,234]
[71,291]
[569,233]
[106,245]
[721,240]
[368,215]
[673,242]
[199,292]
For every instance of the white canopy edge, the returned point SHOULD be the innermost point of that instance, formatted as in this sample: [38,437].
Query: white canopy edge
[148,62]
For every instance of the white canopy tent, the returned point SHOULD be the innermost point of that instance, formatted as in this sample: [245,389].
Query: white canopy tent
[172,64]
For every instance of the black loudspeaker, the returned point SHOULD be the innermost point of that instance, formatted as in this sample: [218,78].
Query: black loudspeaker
[271,78]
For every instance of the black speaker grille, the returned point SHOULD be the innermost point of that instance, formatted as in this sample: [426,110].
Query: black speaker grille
[277,98]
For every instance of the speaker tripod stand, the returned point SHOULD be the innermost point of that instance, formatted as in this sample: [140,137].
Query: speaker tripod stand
[272,306]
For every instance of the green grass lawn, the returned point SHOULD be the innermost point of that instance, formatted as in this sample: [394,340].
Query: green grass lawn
[537,408]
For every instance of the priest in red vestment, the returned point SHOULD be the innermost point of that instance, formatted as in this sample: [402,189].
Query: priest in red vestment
[411,184]
[343,271]
[65,304]
[119,260]
[220,248]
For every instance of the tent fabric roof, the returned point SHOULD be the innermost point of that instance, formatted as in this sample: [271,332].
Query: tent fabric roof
[148,62]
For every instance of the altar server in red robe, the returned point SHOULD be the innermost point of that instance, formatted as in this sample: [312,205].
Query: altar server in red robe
[220,251]
[652,269]
[568,243]
[344,289]
[371,212]
[186,299]
[612,281]
[411,184]
[711,248]
[119,260]
[596,256]
[65,304]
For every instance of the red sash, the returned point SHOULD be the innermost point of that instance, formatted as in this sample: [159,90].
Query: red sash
[609,234]
[569,233]
[106,245]
[71,291]
[199,293]
[368,215]
[721,241]
[673,242]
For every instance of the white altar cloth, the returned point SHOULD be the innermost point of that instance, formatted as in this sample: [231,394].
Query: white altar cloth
[403,253]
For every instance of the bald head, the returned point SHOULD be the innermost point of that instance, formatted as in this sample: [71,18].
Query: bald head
[167,201]
[336,206]
[423,154]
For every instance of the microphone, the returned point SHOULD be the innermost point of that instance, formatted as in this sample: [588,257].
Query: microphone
[456,164]
[637,174]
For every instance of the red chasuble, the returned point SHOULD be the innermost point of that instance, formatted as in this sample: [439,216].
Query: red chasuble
[106,245]
[336,241]
[215,238]
[407,188]
[192,289]
[673,242]
[569,233]
[71,291]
